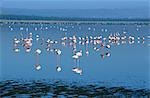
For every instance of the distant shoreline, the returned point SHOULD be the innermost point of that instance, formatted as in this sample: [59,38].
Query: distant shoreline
[39,19]
[77,22]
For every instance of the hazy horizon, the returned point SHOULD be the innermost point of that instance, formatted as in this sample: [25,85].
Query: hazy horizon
[83,8]
[83,4]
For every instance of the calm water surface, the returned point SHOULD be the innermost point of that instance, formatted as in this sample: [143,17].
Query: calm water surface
[126,70]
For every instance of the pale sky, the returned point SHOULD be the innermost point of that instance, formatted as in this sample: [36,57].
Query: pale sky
[74,4]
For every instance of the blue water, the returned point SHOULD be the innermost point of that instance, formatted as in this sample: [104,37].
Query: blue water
[128,65]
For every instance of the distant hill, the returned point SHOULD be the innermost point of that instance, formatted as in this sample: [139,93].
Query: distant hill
[25,17]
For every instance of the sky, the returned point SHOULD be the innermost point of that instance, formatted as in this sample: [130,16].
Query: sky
[74,4]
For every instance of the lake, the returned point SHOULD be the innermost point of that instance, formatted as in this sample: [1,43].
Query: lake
[121,70]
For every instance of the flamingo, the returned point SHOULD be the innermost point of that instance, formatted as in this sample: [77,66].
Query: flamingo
[16,50]
[79,54]
[38,52]
[76,57]
[38,67]
[107,54]
[79,71]
[108,46]
[16,43]
[58,67]
[21,28]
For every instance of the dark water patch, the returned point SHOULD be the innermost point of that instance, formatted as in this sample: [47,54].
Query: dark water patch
[10,88]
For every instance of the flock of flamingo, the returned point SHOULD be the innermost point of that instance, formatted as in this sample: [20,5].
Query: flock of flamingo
[98,43]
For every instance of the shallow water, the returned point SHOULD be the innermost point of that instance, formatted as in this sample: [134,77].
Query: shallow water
[63,89]
[124,73]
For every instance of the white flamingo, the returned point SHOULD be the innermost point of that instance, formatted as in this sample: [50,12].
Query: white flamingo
[38,52]
[76,57]
[58,67]
[16,43]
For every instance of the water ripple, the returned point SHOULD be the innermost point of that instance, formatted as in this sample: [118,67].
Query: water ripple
[11,88]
